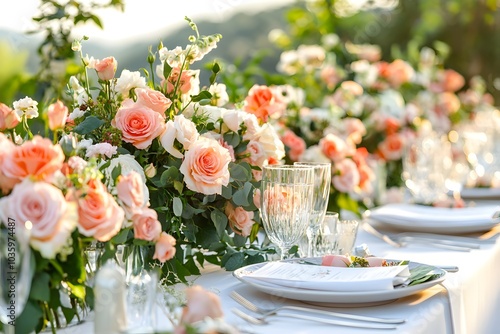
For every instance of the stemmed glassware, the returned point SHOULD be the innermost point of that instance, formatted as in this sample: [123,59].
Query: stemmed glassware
[286,203]
[16,272]
[322,182]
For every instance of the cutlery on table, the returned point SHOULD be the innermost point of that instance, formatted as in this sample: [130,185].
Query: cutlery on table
[262,320]
[270,311]
[404,240]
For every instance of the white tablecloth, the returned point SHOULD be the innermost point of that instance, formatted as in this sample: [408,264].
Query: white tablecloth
[474,295]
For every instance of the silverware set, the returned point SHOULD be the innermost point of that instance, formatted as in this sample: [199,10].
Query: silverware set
[322,316]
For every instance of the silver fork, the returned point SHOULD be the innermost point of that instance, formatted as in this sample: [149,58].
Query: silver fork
[403,240]
[270,311]
[262,320]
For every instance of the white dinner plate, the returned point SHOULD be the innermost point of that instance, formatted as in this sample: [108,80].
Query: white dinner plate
[422,218]
[480,193]
[336,298]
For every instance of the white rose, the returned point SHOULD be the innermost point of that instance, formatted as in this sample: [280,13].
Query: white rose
[186,132]
[272,144]
[129,80]
[167,140]
[314,154]
[232,118]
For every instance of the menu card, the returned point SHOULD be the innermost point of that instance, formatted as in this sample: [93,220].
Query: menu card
[326,278]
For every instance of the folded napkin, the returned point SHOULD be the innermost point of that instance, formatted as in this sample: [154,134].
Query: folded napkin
[414,213]
[325,278]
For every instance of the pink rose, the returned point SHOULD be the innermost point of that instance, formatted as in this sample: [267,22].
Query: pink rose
[336,261]
[376,261]
[58,114]
[448,81]
[8,118]
[331,76]
[206,167]
[153,99]
[240,220]
[139,124]
[37,158]
[263,103]
[333,147]
[392,147]
[44,205]
[130,190]
[257,153]
[146,225]
[200,304]
[345,176]
[99,214]
[296,145]
[164,247]
[106,68]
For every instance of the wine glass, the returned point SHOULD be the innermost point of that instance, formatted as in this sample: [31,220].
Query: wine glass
[322,181]
[16,272]
[286,203]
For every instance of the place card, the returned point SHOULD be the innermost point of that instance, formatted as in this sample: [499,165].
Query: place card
[328,278]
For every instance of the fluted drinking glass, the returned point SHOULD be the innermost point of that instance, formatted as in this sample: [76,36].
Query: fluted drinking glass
[286,203]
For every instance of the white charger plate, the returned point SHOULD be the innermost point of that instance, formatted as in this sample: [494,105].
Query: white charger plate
[336,298]
[421,218]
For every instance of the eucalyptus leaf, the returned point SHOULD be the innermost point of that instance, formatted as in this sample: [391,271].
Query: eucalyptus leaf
[220,221]
[90,124]
[177,203]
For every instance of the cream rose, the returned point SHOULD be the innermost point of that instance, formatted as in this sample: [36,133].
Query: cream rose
[345,176]
[44,205]
[99,214]
[206,167]
[272,144]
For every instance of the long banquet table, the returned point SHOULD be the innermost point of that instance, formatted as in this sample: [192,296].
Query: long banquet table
[468,301]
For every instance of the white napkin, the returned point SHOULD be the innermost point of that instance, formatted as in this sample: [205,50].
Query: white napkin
[414,213]
[325,278]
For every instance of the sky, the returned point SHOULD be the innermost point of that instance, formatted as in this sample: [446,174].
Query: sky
[140,16]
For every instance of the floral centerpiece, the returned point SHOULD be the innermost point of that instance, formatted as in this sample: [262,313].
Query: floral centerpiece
[149,160]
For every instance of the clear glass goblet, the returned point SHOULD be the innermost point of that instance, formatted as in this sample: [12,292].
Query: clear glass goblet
[322,182]
[286,203]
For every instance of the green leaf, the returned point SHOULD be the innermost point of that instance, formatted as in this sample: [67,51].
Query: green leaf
[40,287]
[29,318]
[121,237]
[239,241]
[203,95]
[166,70]
[117,171]
[235,261]
[179,186]
[227,192]
[239,173]
[177,206]
[232,138]
[240,197]
[77,290]
[90,124]
[169,175]
[220,221]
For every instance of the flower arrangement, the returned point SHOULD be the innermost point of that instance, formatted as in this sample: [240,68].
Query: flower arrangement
[154,162]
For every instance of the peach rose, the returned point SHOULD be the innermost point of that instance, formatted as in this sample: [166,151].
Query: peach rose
[345,176]
[333,147]
[173,79]
[8,118]
[146,225]
[355,129]
[331,76]
[99,214]
[106,68]
[263,103]
[37,158]
[240,220]
[200,304]
[139,124]
[447,103]
[399,72]
[376,261]
[153,99]
[206,167]
[448,81]
[130,190]
[336,261]
[6,183]
[164,247]
[296,145]
[58,114]
[392,147]
[44,205]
